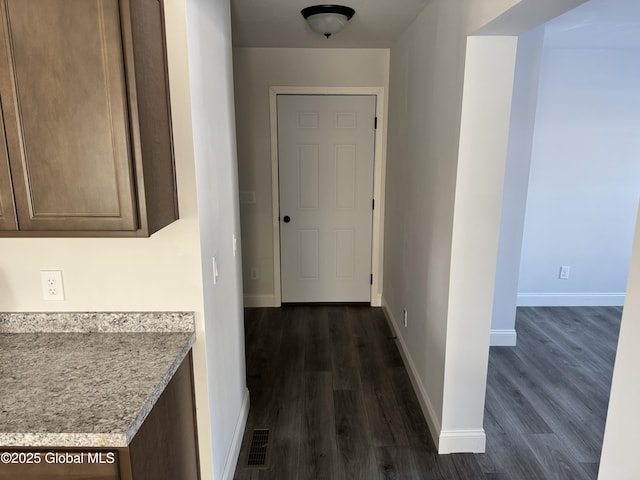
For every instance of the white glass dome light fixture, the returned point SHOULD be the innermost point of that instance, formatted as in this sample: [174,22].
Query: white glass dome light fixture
[327,19]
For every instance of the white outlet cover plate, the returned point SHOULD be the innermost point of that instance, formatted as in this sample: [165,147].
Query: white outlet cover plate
[52,286]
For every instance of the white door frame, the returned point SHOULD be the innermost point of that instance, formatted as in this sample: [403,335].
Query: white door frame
[378,179]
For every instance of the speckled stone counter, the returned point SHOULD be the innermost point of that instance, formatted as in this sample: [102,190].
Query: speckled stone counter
[85,379]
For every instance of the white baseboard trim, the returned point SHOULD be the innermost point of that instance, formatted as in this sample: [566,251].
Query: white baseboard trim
[423,398]
[503,338]
[573,299]
[462,441]
[236,443]
[257,301]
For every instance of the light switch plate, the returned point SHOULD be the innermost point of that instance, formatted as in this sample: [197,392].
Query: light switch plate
[215,270]
[247,197]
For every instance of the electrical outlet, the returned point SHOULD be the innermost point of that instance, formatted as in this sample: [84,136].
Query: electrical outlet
[404,317]
[52,287]
[564,272]
[235,245]
[255,275]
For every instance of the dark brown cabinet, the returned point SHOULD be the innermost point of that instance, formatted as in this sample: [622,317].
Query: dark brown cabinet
[86,147]
[7,209]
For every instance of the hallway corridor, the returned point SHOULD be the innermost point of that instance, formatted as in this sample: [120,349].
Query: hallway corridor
[329,383]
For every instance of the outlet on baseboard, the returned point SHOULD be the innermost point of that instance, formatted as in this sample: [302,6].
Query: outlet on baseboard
[52,288]
[404,317]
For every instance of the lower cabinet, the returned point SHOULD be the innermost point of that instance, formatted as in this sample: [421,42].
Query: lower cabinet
[61,465]
[164,448]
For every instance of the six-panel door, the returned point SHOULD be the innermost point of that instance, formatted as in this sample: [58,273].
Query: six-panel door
[326,159]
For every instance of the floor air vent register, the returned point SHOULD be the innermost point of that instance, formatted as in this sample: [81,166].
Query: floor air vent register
[259,449]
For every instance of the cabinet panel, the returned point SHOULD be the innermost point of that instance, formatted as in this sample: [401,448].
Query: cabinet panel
[152,109]
[7,209]
[165,447]
[55,464]
[67,120]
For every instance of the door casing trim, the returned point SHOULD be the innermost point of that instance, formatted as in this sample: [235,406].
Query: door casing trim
[379,168]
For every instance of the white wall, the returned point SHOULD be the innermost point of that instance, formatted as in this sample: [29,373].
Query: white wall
[427,69]
[422,138]
[484,137]
[211,74]
[516,181]
[585,178]
[622,431]
[440,240]
[255,70]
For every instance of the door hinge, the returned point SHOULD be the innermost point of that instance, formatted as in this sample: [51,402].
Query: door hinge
[375,123]
[373,204]
[371,279]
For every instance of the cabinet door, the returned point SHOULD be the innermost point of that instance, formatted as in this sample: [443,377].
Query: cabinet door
[166,447]
[7,209]
[62,83]
[57,464]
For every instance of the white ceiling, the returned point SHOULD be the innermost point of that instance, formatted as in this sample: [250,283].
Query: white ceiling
[278,23]
[607,24]
[378,23]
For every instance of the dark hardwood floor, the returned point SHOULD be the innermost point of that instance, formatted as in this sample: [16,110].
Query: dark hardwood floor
[330,384]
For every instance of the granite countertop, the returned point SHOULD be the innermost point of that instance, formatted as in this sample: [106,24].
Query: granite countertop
[85,379]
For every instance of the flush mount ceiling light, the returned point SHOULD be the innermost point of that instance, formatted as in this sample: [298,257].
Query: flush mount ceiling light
[327,19]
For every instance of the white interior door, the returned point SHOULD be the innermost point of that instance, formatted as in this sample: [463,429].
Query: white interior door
[325,160]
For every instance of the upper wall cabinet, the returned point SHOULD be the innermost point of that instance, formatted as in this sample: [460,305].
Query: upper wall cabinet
[86,147]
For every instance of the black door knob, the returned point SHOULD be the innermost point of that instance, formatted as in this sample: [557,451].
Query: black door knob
[287,219]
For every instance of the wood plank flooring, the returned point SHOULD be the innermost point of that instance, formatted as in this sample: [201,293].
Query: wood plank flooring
[330,383]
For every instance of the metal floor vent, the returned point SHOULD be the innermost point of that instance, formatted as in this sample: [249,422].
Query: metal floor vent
[259,449]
